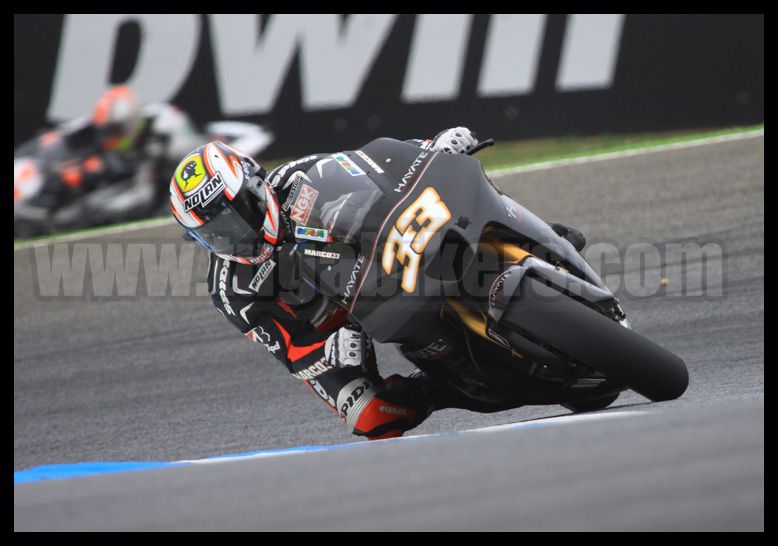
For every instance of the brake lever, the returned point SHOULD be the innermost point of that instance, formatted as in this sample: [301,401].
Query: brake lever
[480,146]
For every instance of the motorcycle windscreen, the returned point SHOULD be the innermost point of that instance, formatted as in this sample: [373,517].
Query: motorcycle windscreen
[529,225]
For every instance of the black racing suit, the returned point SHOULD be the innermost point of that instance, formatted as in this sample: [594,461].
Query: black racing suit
[295,328]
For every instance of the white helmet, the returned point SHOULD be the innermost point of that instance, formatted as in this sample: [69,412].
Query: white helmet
[220,196]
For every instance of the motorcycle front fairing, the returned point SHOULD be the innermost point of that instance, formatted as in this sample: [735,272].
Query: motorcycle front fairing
[391,231]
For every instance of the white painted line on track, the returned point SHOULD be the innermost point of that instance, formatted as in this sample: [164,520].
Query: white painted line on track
[595,158]
[551,421]
[73,470]
[97,232]
[561,420]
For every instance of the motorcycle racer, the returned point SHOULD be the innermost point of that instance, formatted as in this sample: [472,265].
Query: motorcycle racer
[110,166]
[229,205]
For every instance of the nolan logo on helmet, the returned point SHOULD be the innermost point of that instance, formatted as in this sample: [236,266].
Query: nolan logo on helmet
[206,194]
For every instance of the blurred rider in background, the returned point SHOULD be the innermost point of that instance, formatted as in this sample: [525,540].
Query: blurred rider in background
[111,166]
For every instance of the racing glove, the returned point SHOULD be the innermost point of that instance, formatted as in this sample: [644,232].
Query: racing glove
[344,348]
[454,141]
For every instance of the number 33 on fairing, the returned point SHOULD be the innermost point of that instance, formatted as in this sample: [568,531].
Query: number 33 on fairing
[406,244]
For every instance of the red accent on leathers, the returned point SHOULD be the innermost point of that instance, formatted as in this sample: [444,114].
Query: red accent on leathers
[282,304]
[292,351]
[378,413]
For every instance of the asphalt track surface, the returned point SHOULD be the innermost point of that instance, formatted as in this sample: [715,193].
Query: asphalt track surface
[166,379]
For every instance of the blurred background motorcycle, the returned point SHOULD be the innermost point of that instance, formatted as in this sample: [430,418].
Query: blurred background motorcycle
[112,166]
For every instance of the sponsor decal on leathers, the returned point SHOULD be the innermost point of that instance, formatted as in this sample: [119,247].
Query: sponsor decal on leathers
[279,176]
[396,410]
[322,254]
[304,205]
[263,273]
[353,398]
[311,234]
[294,181]
[259,335]
[223,272]
[314,370]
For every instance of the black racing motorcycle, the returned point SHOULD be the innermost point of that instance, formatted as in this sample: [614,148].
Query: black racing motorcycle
[403,238]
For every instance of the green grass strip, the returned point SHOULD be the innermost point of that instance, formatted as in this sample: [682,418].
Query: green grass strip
[522,153]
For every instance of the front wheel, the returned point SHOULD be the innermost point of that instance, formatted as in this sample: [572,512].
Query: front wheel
[582,335]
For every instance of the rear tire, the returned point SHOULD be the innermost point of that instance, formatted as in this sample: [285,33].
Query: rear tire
[588,337]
